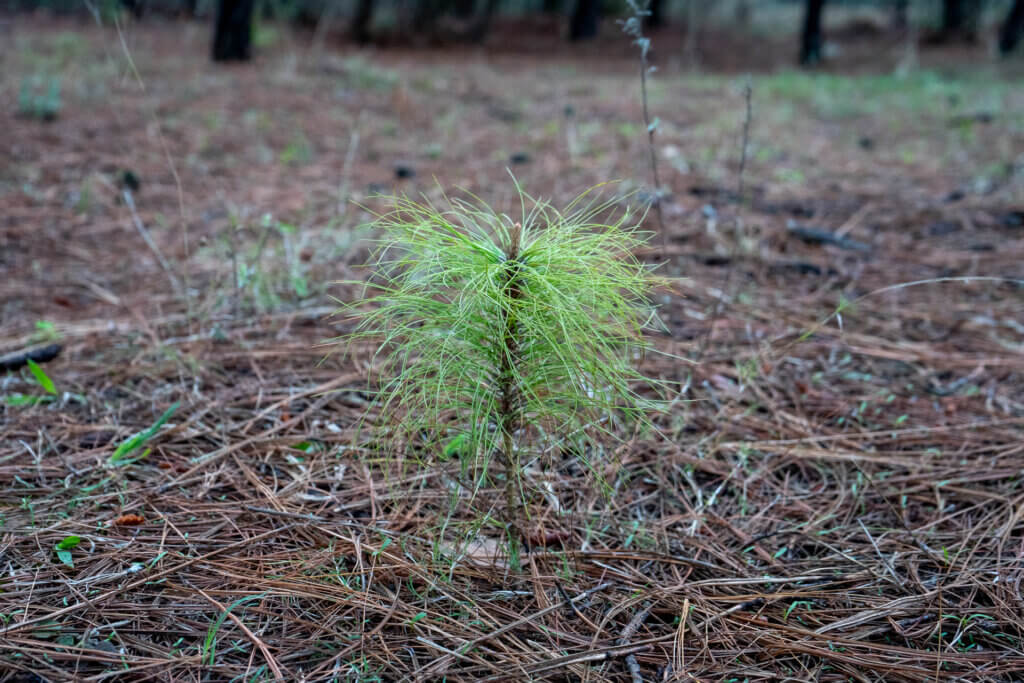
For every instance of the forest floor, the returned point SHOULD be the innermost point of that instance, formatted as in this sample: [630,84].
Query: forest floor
[835,495]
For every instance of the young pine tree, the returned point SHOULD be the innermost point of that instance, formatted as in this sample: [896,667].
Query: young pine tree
[499,336]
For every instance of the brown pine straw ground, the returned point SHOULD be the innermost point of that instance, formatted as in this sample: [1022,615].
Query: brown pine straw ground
[830,498]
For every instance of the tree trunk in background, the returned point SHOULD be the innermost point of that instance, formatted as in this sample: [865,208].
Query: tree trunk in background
[952,15]
[693,21]
[189,6]
[232,35]
[482,21]
[551,6]
[810,43]
[900,15]
[1013,28]
[741,17]
[425,16]
[360,27]
[136,7]
[960,19]
[656,18]
[585,17]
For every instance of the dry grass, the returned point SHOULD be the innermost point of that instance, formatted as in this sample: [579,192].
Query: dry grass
[843,505]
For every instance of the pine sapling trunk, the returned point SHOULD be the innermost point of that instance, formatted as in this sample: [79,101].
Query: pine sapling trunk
[508,385]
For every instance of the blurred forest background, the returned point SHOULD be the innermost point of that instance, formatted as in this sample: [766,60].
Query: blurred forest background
[836,190]
[522,22]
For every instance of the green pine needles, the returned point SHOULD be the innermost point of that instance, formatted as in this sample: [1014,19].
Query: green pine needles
[500,340]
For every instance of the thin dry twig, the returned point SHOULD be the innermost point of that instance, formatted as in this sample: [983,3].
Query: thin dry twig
[628,632]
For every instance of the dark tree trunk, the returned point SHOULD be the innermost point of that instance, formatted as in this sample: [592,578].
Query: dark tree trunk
[425,15]
[360,28]
[952,15]
[741,17]
[1013,28]
[551,6]
[189,6]
[960,19]
[232,36]
[136,7]
[810,43]
[482,21]
[585,17]
[656,18]
[900,18]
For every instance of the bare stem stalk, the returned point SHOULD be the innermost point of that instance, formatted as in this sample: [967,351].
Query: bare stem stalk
[651,150]
[508,387]
[738,232]
[634,26]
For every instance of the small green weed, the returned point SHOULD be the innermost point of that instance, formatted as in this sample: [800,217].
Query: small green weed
[210,644]
[137,440]
[43,380]
[298,151]
[64,548]
[45,331]
[271,261]
[364,75]
[39,98]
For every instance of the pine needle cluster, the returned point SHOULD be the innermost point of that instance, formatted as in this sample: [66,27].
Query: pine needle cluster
[500,338]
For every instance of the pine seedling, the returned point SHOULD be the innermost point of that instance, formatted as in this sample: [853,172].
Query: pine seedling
[499,339]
